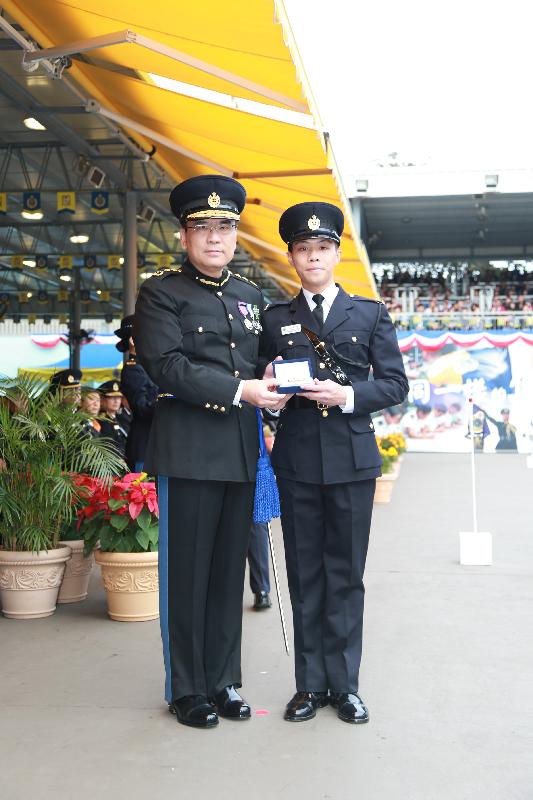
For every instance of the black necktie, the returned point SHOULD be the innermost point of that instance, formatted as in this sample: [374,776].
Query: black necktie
[318,311]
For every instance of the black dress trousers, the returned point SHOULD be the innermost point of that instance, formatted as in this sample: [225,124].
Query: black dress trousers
[326,530]
[206,536]
[258,558]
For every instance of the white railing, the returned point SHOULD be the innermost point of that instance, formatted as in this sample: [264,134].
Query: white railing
[459,320]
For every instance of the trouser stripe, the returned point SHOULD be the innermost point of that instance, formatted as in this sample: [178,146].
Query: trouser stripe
[162,492]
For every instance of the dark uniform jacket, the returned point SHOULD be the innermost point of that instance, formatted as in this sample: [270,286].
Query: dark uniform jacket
[197,339]
[141,394]
[359,334]
[92,428]
[112,429]
[125,419]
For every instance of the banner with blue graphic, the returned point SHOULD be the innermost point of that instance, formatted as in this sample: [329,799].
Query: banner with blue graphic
[444,369]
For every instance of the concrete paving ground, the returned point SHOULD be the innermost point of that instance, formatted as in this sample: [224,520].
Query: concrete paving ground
[447,676]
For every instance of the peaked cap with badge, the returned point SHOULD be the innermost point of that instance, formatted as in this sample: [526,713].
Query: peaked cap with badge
[65,379]
[207,196]
[309,220]
[110,389]
[124,333]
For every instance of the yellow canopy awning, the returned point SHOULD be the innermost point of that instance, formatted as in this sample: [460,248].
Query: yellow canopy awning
[240,53]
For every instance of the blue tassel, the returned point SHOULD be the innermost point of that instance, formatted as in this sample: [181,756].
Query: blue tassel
[266,500]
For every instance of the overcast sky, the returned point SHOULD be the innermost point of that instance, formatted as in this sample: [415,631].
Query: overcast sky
[446,85]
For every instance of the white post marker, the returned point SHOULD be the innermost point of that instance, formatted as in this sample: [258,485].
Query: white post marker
[475,547]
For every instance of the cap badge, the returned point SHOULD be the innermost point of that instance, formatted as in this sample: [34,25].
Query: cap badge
[313,223]
[213,200]
[115,387]
[71,379]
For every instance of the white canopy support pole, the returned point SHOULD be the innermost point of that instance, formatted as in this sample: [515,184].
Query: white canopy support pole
[260,242]
[80,46]
[95,108]
[132,37]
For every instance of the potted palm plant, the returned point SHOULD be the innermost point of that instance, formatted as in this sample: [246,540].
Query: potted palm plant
[123,518]
[43,446]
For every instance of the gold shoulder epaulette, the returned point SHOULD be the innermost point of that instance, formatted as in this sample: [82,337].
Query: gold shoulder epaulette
[165,271]
[243,278]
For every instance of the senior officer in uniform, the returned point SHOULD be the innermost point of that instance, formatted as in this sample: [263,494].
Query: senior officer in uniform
[196,331]
[141,394]
[326,458]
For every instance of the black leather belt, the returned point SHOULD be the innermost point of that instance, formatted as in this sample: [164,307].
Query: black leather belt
[301,402]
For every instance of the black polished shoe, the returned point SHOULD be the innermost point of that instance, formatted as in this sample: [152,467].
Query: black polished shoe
[262,601]
[230,704]
[350,707]
[194,710]
[303,706]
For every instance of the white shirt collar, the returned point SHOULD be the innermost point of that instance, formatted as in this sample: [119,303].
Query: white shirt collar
[328,294]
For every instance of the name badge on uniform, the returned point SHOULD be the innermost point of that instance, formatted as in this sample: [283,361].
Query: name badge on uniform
[291,329]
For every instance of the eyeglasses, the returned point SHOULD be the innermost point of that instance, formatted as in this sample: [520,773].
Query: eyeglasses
[222,228]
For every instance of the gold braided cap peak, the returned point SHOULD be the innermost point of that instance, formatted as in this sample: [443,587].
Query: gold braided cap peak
[212,213]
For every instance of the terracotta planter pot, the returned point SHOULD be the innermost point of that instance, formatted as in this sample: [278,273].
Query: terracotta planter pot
[75,583]
[131,582]
[29,582]
[384,487]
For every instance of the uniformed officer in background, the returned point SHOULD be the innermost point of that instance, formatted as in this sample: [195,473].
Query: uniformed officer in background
[196,331]
[258,558]
[125,415]
[141,394]
[90,405]
[67,382]
[111,401]
[258,566]
[326,458]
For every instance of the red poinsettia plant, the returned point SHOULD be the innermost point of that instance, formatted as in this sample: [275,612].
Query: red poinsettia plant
[123,515]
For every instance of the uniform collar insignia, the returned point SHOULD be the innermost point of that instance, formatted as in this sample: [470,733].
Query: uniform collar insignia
[203,279]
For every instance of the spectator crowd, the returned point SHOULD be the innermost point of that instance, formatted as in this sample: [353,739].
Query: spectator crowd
[438,308]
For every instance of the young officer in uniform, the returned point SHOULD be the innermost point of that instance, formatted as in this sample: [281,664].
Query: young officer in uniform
[111,399]
[141,394]
[90,404]
[196,332]
[326,458]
